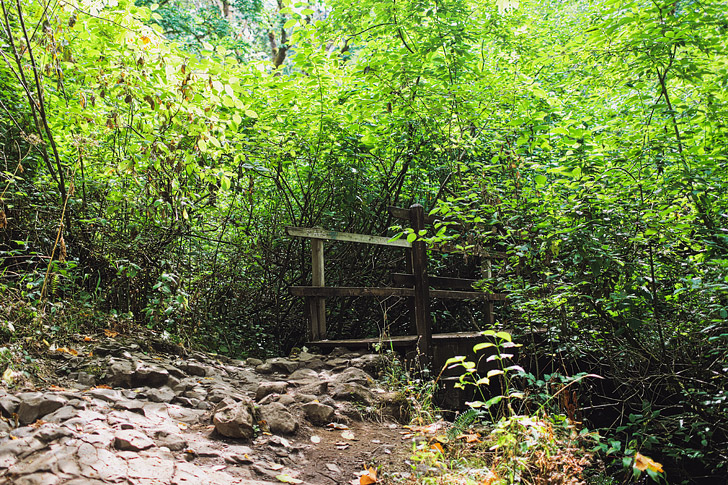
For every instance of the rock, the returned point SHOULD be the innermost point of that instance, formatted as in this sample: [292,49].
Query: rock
[279,420]
[394,405]
[108,395]
[287,400]
[283,365]
[197,369]
[162,394]
[306,375]
[132,440]
[148,374]
[34,405]
[253,362]
[61,414]
[151,469]
[266,388]
[198,393]
[354,392]
[8,405]
[370,363]
[50,432]
[353,375]
[234,420]
[171,441]
[37,479]
[317,413]
[264,368]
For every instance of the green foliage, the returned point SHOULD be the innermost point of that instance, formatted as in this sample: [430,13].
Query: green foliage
[586,140]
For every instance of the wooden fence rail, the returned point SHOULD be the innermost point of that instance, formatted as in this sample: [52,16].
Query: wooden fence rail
[414,285]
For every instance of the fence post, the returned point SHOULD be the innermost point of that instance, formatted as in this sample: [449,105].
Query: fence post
[422,287]
[318,304]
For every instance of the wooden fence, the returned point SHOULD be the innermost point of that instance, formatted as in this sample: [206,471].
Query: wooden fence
[415,285]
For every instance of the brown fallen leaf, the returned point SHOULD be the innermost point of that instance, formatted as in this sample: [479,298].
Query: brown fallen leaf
[348,435]
[368,477]
[642,463]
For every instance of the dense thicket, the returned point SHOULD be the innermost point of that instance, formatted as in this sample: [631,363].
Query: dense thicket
[152,156]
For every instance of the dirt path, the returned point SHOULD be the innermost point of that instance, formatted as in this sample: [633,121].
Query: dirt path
[126,411]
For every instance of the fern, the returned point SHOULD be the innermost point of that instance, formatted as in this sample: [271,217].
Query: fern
[463,422]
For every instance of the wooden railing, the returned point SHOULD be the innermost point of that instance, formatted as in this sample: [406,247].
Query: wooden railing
[414,285]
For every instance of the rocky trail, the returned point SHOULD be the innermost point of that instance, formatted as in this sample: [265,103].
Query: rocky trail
[127,411]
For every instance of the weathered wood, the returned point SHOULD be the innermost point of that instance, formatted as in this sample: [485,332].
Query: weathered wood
[486,270]
[439,282]
[396,341]
[404,214]
[317,233]
[362,291]
[318,305]
[350,291]
[421,286]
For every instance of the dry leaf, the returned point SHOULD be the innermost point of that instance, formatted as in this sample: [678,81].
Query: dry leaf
[470,437]
[337,426]
[340,445]
[369,476]
[348,435]
[437,447]
[315,439]
[642,463]
[3,220]
[333,468]
[110,333]
[287,479]
[275,466]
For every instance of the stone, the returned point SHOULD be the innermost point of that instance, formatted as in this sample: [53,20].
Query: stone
[171,441]
[8,405]
[61,414]
[265,368]
[283,365]
[317,413]
[234,420]
[307,375]
[34,405]
[279,420]
[197,393]
[197,369]
[153,468]
[148,374]
[287,400]
[355,393]
[119,373]
[304,398]
[162,394]
[253,362]
[353,375]
[186,402]
[108,395]
[132,440]
[37,479]
[51,432]
[266,388]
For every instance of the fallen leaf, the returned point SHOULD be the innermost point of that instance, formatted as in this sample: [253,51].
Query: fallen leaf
[437,447]
[337,426]
[348,435]
[368,477]
[340,445]
[642,463]
[275,466]
[315,439]
[88,339]
[287,479]
[110,333]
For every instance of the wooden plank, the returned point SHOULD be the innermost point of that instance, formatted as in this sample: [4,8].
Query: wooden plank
[317,233]
[350,291]
[359,291]
[404,214]
[438,282]
[318,306]
[423,319]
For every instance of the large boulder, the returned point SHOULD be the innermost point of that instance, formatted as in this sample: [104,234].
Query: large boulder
[234,419]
